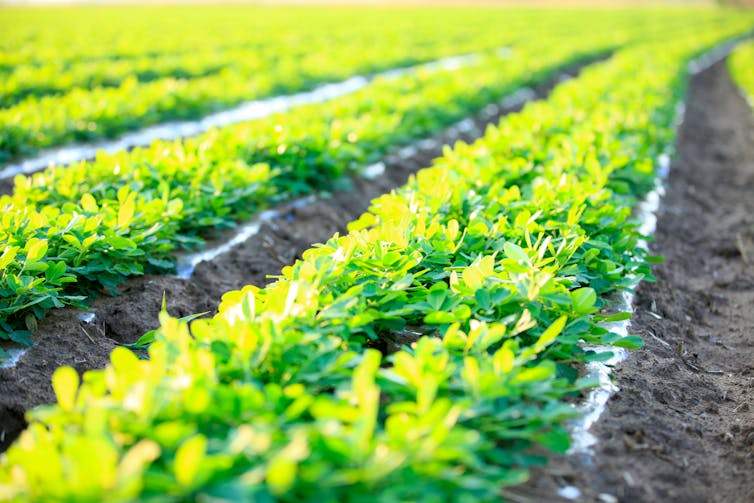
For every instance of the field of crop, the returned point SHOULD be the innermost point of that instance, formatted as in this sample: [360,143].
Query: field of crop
[376,253]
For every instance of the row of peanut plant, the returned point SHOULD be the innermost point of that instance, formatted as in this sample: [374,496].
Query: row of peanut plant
[68,82]
[60,102]
[68,233]
[88,34]
[419,357]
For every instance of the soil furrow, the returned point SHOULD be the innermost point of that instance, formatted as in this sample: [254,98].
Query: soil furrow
[64,339]
[681,428]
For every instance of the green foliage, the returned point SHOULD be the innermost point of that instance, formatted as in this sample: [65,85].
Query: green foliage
[125,213]
[55,255]
[478,279]
[66,80]
[69,75]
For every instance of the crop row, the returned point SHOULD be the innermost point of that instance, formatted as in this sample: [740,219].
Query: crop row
[58,107]
[83,115]
[740,64]
[66,37]
[54,78]
[315,55]
[318,61]
[68,233]
[90,35]
[478,280]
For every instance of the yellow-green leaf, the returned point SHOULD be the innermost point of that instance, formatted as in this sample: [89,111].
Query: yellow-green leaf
[126,213]
[452,229]
[503,360]
[65,383]
[137,458]
[8,255]
[35,250]
[281,473]
[552,332]
[472,277]
[89,204]
[188,459]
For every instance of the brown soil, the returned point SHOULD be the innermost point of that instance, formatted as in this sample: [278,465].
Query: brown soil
[681,428]
[63,339]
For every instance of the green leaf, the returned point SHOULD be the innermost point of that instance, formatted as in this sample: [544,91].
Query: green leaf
[403,283]
[613,317]
[601,356]
[54,272]
[439,318]
[36,267]
[630,342]
[21,337]
[31,322]
[483,298]
[120,243]
[436,298]
[390,258]
[162,264]
[558,441]
[583,300]
[552,332]
[533,374]
[515,252]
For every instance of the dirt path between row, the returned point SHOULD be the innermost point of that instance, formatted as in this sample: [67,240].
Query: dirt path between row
[64,339]
[681,428]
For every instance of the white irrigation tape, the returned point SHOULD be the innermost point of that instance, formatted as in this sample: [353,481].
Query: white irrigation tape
[188,262]
[713,56]
[646,214]
[594,405]
[247,111]
[14,354]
